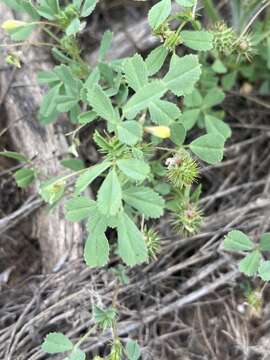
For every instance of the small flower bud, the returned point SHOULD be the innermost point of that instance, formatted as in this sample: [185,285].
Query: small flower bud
[162,132]
[12,24]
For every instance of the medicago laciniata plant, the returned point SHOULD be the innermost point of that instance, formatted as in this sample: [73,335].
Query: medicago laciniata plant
[148,165]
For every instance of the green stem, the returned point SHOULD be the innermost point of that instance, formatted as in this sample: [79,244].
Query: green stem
[211,10]
[85,336]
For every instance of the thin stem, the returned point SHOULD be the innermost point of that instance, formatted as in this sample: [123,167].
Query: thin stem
[56,38]
[30,43]
[254,17]
[194,9]
[85,336]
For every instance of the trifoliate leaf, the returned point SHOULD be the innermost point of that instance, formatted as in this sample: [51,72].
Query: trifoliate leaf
[249,265]
[56,342]
[134,168]
[183,73]
[209,148]
[79,208]
[197,40]
[24,177]
[265,242]
[129,132]
[109,197]
[155,59]
[102,105]
[144,96]
[131,244]
[215,125]
[159,13]
[90,175]
[133,350]
[236,240]
[163,112]
[14,155]
[264,270]
[136,72]
[145,200]
[104,317]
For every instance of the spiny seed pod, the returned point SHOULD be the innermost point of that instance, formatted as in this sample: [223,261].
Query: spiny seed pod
[152,241]
[187,220]
[182,170]
[224,38]
[244,47]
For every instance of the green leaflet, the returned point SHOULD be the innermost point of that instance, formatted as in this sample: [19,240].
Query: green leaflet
[56,342]
[109,197]
[249,265]
[265,242]
[88,7]
[90,175]
[144,96]
[214,97]
[155,59]
[79,208]
[163,112]
[184,72]
[145,200]
[186,3]
[73,164]
[237,241]
[105,45]
[197,40]
[159,13]
[131,244]
[209,148]
[14,155]
[129,132]
[215,125]
[96,250]
[73,27]
[24,177]
[178,133]
[134,168]
[133,350]
[264,270]
[77,354]
[102,105]
[136,72]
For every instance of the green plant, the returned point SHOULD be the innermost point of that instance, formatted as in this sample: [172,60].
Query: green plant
[148,164]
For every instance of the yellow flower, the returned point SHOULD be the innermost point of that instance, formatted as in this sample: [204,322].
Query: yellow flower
[162,132]
[12,24]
